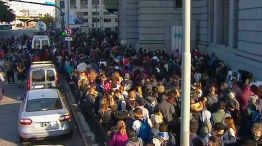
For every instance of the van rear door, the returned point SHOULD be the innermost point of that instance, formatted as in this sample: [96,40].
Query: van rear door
[38,79]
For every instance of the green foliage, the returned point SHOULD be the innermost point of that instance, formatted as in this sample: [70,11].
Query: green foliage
[6,14]
[47,19]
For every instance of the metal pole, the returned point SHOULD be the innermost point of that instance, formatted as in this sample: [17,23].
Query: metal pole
[68,24]
[186,76]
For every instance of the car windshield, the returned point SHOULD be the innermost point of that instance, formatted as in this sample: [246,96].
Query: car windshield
[45,43]
[38,75]
[43,104]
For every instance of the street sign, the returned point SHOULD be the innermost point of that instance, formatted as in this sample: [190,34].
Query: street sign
[68,31]
[68,39]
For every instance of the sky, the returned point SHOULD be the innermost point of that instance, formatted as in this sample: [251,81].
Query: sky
[33,8]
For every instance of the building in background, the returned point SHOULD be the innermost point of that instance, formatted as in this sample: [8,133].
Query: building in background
[229,28]
[87,14]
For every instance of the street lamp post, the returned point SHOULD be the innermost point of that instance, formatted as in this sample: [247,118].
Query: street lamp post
[68,24]
[186,75]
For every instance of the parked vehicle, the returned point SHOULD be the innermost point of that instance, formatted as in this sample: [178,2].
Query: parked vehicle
[43,113]
[41,75]
[40,41]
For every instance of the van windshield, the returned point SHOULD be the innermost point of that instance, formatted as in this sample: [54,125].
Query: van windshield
[36,43]
[45,43]
[38,75]
[50,74]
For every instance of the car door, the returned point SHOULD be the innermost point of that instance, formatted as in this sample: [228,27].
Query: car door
[51,78]
[38,79]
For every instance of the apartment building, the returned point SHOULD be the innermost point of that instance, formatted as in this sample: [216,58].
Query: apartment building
[88,14]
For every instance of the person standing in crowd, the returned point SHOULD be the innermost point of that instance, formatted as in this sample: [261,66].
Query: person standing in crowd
[2,80]
[166,108]
[119,138]
[9,70]
[230,136]
[21,71]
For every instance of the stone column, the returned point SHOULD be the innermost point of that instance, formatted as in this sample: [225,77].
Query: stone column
[218,21]
[211,21]
[78,4]
[232,24]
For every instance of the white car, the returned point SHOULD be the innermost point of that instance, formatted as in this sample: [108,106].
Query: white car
[42,114]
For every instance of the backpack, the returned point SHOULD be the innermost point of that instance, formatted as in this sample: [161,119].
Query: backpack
[145,132]
[255,116]
[203,128]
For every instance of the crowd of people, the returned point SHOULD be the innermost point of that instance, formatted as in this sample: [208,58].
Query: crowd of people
[136,94]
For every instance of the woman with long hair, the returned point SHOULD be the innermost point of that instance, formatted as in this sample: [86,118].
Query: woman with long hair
[120,137]
[230,135]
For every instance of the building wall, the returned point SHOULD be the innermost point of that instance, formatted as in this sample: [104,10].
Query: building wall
[147,23]
[128,21]
[155,18]
[199,10]
[82,10]
[247,53]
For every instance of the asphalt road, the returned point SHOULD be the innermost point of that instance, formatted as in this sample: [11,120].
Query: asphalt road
[8,122]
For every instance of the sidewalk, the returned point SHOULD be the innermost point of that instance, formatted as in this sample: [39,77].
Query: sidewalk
[87,136]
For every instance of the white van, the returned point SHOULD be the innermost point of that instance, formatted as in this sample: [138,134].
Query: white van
[41,75]
[40,41]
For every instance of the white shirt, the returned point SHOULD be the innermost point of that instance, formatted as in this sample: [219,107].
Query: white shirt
[137,124]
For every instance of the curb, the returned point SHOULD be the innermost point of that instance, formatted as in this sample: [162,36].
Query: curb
[87,136]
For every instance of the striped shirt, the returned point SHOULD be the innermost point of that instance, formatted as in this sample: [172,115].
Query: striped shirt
[8,65]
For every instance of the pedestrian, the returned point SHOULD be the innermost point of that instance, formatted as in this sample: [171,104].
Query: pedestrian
[2,80]
[21,74]
[9,70]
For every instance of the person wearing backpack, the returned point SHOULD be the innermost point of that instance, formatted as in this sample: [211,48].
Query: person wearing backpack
[205,127]
[142,126]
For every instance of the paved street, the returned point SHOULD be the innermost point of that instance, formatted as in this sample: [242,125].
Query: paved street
[8,122]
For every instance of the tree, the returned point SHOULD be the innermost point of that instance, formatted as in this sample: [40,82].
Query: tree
[7,14]
[48,19]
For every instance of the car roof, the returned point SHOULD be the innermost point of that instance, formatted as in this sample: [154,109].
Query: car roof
[42,93]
